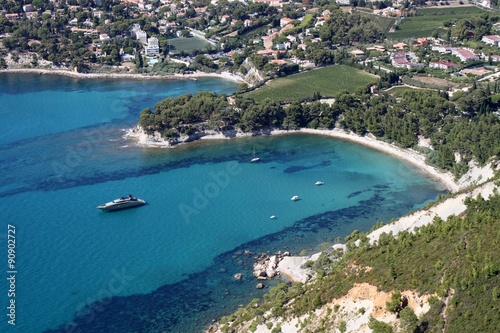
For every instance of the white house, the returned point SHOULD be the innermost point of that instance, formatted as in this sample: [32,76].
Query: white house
[88,22]
[247,23]
[442,48]
[491,39]
[401,62]
[464,55]
[152,48]
[141,36]
[98,13]
[495,58]
[29,8]
[484,3]
[443,65]
[282,46]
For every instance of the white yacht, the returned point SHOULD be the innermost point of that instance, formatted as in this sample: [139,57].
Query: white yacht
[122,203]
[295,198]
[319,183]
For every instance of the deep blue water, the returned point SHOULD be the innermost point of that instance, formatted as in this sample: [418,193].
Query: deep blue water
[167,266]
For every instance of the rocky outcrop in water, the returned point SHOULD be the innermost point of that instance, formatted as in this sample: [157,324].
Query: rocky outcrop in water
[267,265]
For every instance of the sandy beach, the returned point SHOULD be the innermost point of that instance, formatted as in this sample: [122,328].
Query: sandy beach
[128,76]
[407,155]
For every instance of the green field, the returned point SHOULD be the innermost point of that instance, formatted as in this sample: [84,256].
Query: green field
[186,44]
[327,81]
[429,20]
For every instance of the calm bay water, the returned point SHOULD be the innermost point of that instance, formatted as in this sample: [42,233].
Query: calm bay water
[167,266]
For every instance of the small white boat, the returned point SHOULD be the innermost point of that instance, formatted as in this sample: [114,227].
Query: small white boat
[295,198]
[255,158]
[122,203]
[273,217]
[319,183]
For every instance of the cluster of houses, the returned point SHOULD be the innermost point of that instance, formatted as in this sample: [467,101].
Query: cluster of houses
[150,45]
[286,24]
[400,57]
[403,59]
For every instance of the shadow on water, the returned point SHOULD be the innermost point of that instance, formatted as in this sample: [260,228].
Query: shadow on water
[191,304]
[295,168]
[69,160]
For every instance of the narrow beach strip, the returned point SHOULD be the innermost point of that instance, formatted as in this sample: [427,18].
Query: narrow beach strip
[410,156]
[415,158]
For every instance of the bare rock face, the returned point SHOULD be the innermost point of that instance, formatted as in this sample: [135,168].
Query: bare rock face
[259,270]
[266,265]
[259,286]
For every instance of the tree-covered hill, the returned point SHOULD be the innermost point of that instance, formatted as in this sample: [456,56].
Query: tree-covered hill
[454,260]
[460,130]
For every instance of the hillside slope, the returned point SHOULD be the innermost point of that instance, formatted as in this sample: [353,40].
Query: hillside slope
[442,277]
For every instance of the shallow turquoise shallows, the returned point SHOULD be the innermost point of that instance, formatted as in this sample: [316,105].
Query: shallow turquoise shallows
[167,266]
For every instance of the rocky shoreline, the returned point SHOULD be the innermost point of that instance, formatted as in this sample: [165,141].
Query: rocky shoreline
[266,266]
[364,296]
[292,266]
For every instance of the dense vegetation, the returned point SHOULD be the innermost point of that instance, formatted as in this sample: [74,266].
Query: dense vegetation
[464,129]
[457,259]
[343,28]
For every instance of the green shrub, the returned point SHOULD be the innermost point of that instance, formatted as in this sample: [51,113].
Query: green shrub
[379,327]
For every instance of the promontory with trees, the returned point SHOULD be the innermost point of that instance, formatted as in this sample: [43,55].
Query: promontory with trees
[460,130]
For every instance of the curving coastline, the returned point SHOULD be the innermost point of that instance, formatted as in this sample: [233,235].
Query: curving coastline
[128,76]
[292,267]
[410,156]
[415,158]
[369,297]
[143,139]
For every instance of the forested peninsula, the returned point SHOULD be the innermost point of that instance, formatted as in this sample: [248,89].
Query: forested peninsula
[458,129]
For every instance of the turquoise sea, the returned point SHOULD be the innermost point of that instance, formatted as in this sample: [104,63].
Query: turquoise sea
[167,266]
